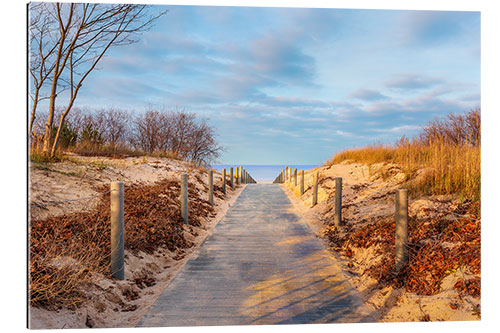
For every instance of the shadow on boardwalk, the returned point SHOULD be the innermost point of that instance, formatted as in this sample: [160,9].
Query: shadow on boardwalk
[261,265]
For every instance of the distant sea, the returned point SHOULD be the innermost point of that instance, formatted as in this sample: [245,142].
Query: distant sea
[263,173]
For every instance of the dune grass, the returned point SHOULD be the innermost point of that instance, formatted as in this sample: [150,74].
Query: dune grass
[450,169]
[39,156]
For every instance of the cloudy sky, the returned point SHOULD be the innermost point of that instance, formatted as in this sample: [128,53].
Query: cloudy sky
[294,86]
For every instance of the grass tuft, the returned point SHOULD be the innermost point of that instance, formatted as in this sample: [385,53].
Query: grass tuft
[447,168]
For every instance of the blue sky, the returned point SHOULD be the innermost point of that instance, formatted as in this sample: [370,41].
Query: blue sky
[294,86]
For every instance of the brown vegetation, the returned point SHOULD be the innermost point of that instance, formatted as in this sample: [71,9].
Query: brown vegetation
[437,247]
[67,251]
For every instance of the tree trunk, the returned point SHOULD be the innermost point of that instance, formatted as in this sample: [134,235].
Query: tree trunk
[59,128]
[32,119]
[58,67]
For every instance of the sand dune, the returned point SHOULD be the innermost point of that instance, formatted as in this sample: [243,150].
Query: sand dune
[367,197]
[117,303]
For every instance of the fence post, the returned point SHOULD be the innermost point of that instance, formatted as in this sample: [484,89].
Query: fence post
[315,190]
[224,181]
[237,178]
[117,231]
[241,174]
[232,178]
[211,186]
[295,176]
[338,201]
[302,182]
[184,198]
[401,228]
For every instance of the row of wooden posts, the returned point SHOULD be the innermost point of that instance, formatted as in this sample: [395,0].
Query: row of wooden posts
[241,176]
[401,209]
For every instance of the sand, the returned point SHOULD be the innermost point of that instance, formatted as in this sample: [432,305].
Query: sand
[116,303]
[368,197]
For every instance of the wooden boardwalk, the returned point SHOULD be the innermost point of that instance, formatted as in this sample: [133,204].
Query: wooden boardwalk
[261,265]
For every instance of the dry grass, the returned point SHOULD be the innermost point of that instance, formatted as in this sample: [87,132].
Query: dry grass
[60,265]
[450,169]
[38,156]
[448,150]
[67,252]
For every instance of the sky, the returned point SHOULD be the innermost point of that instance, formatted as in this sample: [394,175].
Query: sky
[297,85]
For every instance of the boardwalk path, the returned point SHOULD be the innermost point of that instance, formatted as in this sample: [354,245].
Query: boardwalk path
[261,265]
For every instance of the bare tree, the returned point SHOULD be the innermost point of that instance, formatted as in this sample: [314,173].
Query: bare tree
[203,148]
[461,129]
[85,33]
[183,125]
[42,49]
[148,131]
[178,132]
[115,125]
[473,123]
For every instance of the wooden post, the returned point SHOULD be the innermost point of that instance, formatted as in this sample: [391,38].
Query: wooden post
[224,181]
[241,174]
[401,228]
[237,178]
[302,182]
[338,201]
[232,178]
[315,190]
[211,186]
[295,176]
[117,231]
[184,198]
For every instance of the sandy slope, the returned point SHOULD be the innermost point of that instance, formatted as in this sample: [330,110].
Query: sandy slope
[109,305]
[366,198]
